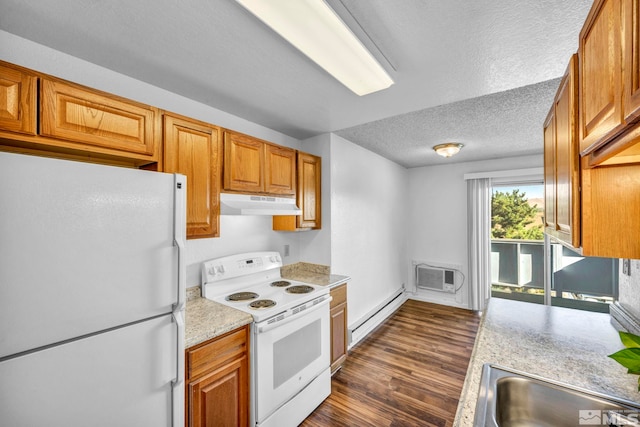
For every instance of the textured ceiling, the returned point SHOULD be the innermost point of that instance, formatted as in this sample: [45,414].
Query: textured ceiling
[438,53]
[503,124]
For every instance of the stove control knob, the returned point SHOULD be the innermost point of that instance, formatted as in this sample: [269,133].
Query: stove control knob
[272,259]
[220,269]
[211,271]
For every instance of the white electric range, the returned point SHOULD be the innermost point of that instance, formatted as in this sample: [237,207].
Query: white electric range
[290,345]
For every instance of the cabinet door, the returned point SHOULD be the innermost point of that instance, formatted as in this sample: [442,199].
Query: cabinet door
[97,120]
[338,326]
[631,59]
[221,398]
[193,149]
[550,172]
[567,179]
[17,101]
[600,74]
[280,170]
[309,191]
[243,163]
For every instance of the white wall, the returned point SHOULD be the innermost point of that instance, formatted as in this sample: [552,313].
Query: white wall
[238,234]
[368,224]
[438,217]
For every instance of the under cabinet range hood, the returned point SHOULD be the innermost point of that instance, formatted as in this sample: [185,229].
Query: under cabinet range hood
[247,204]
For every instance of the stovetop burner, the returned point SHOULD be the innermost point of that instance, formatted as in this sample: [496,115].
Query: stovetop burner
[262,303]
[242,296]
[299,289]
[280,283]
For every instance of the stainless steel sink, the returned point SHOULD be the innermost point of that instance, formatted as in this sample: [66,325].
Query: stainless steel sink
[510,398]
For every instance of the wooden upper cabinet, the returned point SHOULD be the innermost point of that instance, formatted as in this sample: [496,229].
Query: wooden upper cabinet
[567,158]
[193,148]
[610,83]
[308,196]
[18,100]
[610,207]
[562,162]
[243,163]
[309,190]
[280,170]
[73,113]
[631,59]
[599,54]
[255,166]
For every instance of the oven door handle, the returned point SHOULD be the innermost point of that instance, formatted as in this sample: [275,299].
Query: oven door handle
[268,326]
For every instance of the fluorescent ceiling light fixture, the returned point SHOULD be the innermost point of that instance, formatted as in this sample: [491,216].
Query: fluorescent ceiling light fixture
[447,150]
[317,31]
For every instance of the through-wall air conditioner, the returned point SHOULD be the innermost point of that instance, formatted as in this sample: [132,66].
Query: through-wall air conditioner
[435,278]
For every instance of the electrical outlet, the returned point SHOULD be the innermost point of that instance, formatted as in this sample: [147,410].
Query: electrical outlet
[286,250]
[626,267]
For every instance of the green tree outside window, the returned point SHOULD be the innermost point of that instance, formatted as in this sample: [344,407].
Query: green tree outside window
[512,217]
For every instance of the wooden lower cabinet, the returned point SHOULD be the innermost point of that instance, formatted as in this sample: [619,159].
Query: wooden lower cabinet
[217,383]
[339,342]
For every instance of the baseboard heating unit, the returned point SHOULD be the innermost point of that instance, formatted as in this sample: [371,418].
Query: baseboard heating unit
[376,316]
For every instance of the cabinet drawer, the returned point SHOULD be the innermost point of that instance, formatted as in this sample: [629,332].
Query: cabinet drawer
[95,119]
[339,295]
[217,352]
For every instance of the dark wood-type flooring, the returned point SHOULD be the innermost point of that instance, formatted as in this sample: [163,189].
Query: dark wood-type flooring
[408,372]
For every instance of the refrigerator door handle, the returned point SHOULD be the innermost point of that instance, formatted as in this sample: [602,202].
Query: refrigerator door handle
[179,236]
[177,384]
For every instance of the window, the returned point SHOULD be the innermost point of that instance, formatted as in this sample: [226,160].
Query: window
[517,242]
[518,254]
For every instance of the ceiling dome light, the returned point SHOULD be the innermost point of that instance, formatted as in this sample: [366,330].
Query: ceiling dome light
[448,149]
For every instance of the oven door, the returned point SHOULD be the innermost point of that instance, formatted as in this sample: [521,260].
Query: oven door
[288,355]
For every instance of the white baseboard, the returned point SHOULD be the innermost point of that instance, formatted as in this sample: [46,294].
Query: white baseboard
[375,318]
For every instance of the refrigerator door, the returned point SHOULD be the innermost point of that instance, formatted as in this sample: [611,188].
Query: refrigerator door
[117,378]
[84,248]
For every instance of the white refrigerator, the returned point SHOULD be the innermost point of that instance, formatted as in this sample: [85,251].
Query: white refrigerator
[91,295]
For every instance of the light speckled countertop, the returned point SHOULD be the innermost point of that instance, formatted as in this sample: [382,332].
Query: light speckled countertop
[205,319]
[312,273]
[562,344]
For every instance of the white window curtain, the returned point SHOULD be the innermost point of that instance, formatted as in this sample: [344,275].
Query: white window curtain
[479,232]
